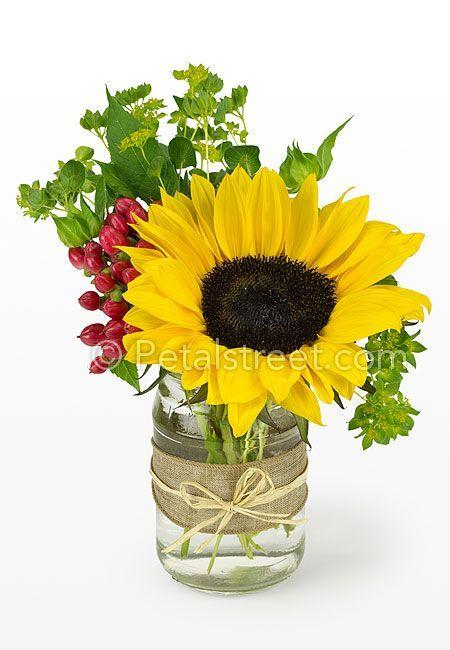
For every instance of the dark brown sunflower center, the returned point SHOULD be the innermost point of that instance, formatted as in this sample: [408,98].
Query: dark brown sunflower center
[270,304]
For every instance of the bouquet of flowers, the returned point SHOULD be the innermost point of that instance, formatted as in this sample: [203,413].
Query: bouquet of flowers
[255,303]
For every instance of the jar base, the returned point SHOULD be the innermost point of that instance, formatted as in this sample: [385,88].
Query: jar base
[232,574]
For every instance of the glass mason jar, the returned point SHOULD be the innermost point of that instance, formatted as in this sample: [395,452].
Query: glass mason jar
[232,563]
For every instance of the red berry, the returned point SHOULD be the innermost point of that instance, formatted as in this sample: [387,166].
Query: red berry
[136,211]
[117,269]
[94,263]
[90,300]
[115,310]
[118,222]
[127,207]
[115,329]
[144,244]
[104,283]
[110,238]
[129,329]
[93,259]
[129,274]
[93,248]
[113,349]
[123,204]
[99,365]
[76,257]
[92,334]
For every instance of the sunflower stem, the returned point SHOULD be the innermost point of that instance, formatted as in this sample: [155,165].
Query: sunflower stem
[214,553]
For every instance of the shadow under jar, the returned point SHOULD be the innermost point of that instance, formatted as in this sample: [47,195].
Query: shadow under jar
[233,563]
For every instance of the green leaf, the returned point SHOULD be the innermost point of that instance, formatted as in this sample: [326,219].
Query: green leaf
[198,396]
[115,182]
[132,95]
[162,374]
[223,107]
[297,166]
[324,151]
[337,399]
[83,154]
[71,176]
[132,165]
[367,442]
[265,417]
[367,386]
[213,444]
[389,280]
[247,156]
[100,198]
[93,121]
[72,231]
[90,218]
[303,427]
[127,371]
[239,96]
[156,166]
[182,153]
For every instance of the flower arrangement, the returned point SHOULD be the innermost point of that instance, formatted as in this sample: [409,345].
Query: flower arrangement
[254,301]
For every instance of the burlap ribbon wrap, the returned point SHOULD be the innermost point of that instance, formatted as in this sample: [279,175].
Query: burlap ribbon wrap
[230,499]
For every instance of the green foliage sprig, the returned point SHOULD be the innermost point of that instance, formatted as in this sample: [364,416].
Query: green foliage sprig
[213,124]
[68,200]
[298,165]
[386,413]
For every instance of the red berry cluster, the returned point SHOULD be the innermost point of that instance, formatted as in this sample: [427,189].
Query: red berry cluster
[112,271]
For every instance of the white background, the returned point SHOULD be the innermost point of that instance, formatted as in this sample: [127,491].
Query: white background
[77,562]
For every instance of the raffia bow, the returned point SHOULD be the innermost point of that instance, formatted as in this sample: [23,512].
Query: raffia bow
[254,488]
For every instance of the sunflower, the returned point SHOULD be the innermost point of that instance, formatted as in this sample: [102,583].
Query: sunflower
[263,296]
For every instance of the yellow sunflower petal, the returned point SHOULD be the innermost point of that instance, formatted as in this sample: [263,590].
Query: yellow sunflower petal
[135,352]
[145,347]
[327,210]
[173,279]
[357,316]
[302,401]
[345,359]
[360,314]
[203,197]
[370,237]
[268,208]
[177,245]
[230,220]
[392,252]
[178,207]
[242,179]
[203,352]
[191,236]
[339,383]
[277,375]
[322,388]
[172,354]
[339,231]
[159,305]
[237,377]
[214,396]
[188,204]
[140,318]
[402,301]
[303,224]
[193,378]
[140,256]
[242,415]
